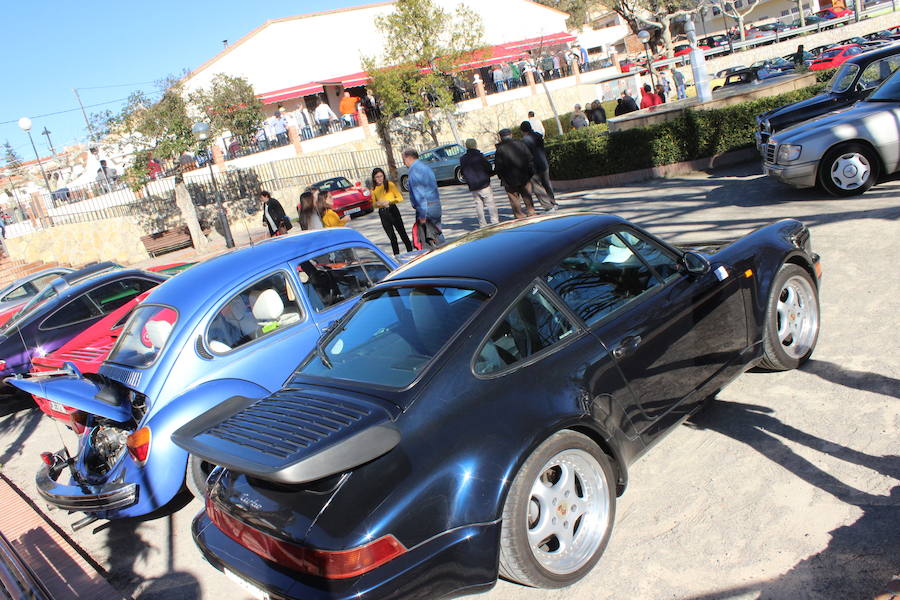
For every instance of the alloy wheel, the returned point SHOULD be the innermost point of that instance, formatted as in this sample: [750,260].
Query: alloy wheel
[797,316]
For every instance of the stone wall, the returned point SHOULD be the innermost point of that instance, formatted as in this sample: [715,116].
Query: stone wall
[116,239]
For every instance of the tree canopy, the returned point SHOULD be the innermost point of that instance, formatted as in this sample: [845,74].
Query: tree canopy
[230,104]
[578,10]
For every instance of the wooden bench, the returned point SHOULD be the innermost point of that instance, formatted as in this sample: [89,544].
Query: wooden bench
[167,241]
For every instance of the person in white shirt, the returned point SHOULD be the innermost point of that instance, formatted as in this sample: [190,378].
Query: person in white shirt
[536,123]
[324,115]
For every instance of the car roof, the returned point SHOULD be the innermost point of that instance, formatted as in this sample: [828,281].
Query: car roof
[193,289]
[873,55]
[84,272]
[36,275]
[506,254]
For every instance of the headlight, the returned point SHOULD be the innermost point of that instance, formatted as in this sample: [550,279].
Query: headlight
[788,153]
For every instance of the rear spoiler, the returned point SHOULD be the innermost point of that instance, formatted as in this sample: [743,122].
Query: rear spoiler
[292,436]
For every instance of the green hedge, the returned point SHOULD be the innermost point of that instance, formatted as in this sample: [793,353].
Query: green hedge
[592,152]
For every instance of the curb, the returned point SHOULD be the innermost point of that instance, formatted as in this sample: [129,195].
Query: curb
[660,172]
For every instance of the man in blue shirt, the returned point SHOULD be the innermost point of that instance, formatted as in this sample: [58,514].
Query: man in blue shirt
[424,196]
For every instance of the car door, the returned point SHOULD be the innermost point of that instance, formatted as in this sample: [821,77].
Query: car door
[668,331]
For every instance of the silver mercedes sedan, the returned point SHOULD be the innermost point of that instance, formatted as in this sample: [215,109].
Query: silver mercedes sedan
[843,152]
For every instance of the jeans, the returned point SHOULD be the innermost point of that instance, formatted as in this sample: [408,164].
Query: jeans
[500,85]
[485,197]
[323,126]
[391,220]
[682,94]
[543,189]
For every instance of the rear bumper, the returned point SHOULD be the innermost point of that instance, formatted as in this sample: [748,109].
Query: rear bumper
[87,498]
[460,561]
[798,176]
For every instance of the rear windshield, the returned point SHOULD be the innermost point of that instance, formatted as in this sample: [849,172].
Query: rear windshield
[144,337]
[393,335]
[830,54]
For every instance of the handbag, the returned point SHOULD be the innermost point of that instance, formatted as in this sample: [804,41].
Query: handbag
[286,223]
[417,244]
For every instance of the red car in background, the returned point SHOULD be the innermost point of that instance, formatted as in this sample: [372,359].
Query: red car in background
[835,57]
[682,49]
[349,199]
[834,13]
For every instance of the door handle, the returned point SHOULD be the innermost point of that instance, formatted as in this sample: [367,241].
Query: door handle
[628,346]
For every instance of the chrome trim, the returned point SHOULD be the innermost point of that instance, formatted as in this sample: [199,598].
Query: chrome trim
[86,498]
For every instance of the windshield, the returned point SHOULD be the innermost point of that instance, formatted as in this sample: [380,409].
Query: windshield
[842,80]
[393,335]
[332,185]
[144,337]
[889,91]
[33,304]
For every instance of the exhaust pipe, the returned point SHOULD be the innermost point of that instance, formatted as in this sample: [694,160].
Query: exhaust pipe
[82,523]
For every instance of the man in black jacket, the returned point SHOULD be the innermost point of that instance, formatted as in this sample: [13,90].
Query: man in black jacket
[477,171]
[540,181]
[514,166]
[626,104]
[274,218]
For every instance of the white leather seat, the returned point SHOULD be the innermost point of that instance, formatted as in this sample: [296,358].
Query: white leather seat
[158,332]
[268,306]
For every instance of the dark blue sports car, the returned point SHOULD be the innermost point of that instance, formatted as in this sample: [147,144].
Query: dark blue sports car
[478,410]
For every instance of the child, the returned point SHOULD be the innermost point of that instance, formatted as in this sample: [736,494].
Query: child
[331,218]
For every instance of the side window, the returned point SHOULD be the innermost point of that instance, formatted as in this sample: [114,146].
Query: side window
[600,278]
[264,307]
[665,265]
[428,156]
[332,278]
[878,71]
[42,282]
[454,151]
[79,309]
[114,294]
[20,293]
[530,326]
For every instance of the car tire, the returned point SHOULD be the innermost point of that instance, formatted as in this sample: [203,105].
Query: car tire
[718,87]
[576,512]
[458,175]
[792,319]
[841,167]
[404,183]
[197,472]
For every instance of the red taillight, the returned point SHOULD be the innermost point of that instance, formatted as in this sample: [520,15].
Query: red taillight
[47,458]
[138,444]
[342,564]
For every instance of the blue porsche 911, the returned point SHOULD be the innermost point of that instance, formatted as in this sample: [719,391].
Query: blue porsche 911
[476,413]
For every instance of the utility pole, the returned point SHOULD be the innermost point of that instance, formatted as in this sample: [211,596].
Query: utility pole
[84,113]
[46,133]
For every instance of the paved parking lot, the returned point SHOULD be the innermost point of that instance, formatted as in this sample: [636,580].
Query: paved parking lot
[787,486]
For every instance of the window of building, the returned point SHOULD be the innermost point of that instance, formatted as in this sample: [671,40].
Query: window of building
[716,11]
[531,326]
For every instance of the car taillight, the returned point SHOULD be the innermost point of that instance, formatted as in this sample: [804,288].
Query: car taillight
[342,564]
[138,444]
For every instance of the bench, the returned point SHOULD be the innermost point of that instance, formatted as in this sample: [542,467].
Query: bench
[167,241]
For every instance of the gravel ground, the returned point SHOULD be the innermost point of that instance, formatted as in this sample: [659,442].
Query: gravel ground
[786,486]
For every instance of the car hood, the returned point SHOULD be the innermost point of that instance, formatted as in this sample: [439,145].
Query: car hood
[825,123]
[296,435]
[810,103]
[79,393]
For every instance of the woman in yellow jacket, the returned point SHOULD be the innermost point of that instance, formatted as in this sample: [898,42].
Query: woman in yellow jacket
[385,197]
[329,217]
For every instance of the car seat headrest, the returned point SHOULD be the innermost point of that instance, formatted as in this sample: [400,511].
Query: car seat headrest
[268,306]
[158,332]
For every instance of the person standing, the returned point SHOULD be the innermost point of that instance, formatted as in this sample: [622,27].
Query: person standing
[386,197]
[280,128]
[477,171]
[598,116]
[424,196]
[540,181]
[348,109]
[625,104]
[515,168]
[499,80]
[330,218]
[649,98]
[310,210]
[537,125]
[661,92]
[273,215]
[678,77]
[324,116]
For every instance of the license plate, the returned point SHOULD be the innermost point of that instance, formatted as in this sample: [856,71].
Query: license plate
[247,586]
[353,211]
[57,407]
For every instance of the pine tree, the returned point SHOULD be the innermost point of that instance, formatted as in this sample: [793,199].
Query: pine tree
[11,160]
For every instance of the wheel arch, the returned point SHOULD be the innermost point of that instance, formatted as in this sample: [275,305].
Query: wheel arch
[797,258]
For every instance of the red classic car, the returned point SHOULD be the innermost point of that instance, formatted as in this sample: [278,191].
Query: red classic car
[834,57]
[682,49]
[349,199]
[834,13]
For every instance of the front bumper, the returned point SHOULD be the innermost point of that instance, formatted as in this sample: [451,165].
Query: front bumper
[86,498]
[456,562]
[801,175]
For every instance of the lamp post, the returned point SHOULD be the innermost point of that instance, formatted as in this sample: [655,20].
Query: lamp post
[200,130]
[25,125]
[644,36]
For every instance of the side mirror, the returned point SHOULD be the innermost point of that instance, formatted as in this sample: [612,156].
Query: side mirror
[695,263]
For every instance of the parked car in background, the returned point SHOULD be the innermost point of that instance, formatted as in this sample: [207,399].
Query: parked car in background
[349,199]
[835,57]
[778,27]
[485,405]
[234,324]
[834,13]
[811,20]
[749,76]
[444,161]
[14,295]
[66,307]
[684,49]
[777,64]
[865,44]
[853,81]
[843,152]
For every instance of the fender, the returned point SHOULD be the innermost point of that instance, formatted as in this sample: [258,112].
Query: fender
[162,477]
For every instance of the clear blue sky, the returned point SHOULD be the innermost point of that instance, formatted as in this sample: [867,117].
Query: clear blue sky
[50,47]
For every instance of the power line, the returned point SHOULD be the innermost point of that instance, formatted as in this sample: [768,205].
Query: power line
[60,112]
[104,87]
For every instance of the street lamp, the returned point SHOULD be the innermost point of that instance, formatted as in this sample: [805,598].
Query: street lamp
[25,125]
[644,36]
[200,130]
